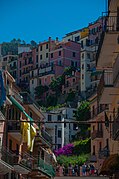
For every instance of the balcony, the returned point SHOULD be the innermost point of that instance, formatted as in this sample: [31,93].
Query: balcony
[97,111]
[104,153]
[44,139]
[96,134]
[115,128]
[14,130]
[105,81]
[112,23]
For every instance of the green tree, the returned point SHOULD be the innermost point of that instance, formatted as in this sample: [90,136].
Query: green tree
[56,84]
[40,90]
[83,114]
[71,96]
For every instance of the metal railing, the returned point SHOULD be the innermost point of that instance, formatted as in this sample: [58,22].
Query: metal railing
[106,80]
[112,23]
[46,136]
[25,160]
[45,167]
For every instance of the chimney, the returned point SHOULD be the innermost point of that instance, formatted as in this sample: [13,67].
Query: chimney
[49,38]
[56,39]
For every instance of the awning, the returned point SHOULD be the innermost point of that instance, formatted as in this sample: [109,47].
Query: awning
[17,104]
[20,107]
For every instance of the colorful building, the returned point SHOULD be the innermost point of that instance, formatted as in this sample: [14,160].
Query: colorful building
[17,160]
[104,106]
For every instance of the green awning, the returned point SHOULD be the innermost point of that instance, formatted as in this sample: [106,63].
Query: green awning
[16,103]
[28,116]
[20,107]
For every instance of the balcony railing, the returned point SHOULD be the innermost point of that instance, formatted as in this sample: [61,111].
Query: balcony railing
[45,167]
[96,134]
[46,136]
[26,161]
[105,81]
[112,23]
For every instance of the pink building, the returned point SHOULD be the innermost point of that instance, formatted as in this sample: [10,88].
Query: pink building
[72,83]
[64,55]
[95,30]
[25,65]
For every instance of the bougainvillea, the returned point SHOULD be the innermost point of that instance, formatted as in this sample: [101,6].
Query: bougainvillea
[66,150]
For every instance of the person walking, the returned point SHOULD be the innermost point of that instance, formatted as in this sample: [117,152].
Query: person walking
[84,169]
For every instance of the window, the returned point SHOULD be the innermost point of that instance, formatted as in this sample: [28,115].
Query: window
[49,117]
[32,81]
[77,39]
[68,39]
[82,55]
[51,55]
[10,144]
[59,53]
[87,42]
[59,146]
[88,55]
[20,64]
[46,55]
[82,66]
[75,64]
[59,117]
[60,63]
[41,57]
[20,73]
[25,61]
[100,146]
[75,126]
[46,46]
[81,44]
[72,63]
[36,58]
[74,54]
[82,76]
[93,149]
[32,74]
[59,133]
[93,128]
[30,114]
[73,80]
[40,48]
[17,149]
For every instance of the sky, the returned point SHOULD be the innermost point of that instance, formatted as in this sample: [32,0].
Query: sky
[39,19]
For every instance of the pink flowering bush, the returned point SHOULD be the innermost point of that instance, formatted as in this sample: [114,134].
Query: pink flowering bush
[66,150]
